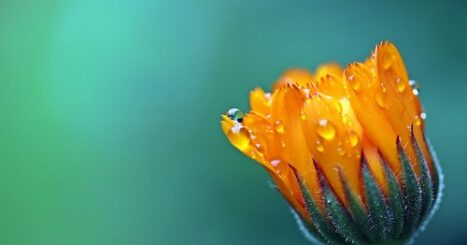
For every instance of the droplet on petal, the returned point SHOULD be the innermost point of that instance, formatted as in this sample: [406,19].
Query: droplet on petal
[319,146]
[275,163]
[418,120]
[400,84]
[279,127]
[423,115]
[235,114]
[380,100]
[353,139]
[354,82]
[326,129]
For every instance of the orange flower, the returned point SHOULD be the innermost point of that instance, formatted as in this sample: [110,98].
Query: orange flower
[333,134]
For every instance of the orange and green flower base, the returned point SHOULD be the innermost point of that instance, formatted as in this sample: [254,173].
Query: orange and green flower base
[392,218]
[346,148]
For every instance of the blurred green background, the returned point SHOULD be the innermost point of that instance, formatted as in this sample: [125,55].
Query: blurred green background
[109,112]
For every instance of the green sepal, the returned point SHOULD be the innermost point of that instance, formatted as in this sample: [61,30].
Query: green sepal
[426,183]
[320,221]
[412,194]
[355,206]
[339,216]
[379,215]
[395,200]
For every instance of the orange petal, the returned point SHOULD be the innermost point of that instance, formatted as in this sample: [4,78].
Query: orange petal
[364,92]
[299,77]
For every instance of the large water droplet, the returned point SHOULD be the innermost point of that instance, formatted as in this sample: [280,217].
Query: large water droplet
[388,60]
[235,114]
[353,138]
[239,137]
[326,129]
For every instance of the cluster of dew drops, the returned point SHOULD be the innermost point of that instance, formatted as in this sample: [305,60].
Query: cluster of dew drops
[324,128]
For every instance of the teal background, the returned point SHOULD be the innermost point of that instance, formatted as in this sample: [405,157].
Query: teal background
[109,112]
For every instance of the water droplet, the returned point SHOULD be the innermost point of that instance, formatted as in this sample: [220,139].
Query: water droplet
[340,151]
[354,82]
[282,144]
[326,129]
[235,114]
[279,127]
[308,101]
[319,147]
[400,84]
[275,163]
[380,99]
[423,115]
[302,115]
[415,87]
[383,88]
[236,128]
[418,120]
[353,139]
[388,60]
[239,137]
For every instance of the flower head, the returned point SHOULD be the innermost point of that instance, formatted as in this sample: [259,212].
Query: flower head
[345,147]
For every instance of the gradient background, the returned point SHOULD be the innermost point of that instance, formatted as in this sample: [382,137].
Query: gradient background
[109,112]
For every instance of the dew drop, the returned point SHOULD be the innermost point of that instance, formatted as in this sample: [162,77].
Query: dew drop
[353,139]
[415,87]
[239,137]
[354,82]
[388,60]
[236,128]
[319,147]
[302,115]
[418,120]
[279,127]
[326,129]
[275,163]
[340,151]
[235,114]
[423,115]
[380,100]
[400,84]
[383,88]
